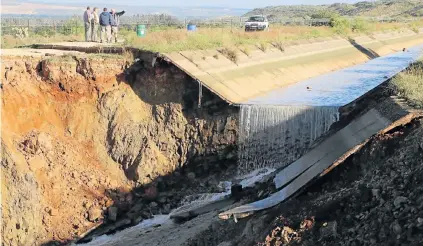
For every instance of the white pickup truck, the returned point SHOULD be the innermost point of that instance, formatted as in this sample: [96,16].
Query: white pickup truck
[256,23]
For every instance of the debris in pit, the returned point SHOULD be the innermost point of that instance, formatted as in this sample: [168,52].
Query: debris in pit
[191,176]
[112,213]
[284,235]
[329,229]
[94,214]
[307,224]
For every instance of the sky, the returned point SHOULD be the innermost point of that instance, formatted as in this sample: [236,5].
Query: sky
[212,3]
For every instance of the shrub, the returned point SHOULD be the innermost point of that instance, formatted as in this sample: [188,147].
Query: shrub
[246,51]
[262,46]
[44,32]
[20,32]
[279,44]
[230,54]
[360,25]
[324,14]
[72,27]
[341,25]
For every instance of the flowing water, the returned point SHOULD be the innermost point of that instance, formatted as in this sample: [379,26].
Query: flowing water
[187,203]
[275,136]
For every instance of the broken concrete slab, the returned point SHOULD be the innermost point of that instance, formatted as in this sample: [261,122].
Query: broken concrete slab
[328,153]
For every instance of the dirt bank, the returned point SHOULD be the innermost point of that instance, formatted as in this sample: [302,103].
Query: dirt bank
[372,199]
[79,133]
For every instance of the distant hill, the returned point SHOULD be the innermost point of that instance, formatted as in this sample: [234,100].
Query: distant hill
[381,8]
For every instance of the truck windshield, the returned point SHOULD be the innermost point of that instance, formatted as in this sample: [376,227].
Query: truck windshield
[256,18]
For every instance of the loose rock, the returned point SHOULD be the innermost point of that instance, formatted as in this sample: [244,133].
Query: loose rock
[400,200]
[112,213]
[329,230]
[94,214]
[191,176]
[396,228]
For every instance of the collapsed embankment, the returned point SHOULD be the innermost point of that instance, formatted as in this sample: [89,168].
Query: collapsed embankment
[370,198]
[78,134]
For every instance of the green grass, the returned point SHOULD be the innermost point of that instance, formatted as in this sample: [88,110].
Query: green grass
[409,84]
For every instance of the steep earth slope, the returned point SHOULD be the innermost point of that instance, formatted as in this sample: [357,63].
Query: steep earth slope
[78,133]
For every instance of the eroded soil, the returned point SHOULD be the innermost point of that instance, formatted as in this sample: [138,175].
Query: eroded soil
[80,133]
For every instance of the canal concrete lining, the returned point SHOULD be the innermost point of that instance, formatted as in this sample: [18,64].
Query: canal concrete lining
[246,76]
[341,87]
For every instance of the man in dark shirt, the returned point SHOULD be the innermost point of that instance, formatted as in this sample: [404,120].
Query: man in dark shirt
[87,24]
[105,25]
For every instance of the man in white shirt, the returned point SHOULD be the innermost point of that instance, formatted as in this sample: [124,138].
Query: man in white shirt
[94,25]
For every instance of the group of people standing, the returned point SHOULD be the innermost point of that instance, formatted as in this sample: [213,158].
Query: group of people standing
[107,22]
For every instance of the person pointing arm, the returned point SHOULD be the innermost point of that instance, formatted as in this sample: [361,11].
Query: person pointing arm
[115,23]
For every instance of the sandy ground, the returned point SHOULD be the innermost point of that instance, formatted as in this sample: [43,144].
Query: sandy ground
[35,52]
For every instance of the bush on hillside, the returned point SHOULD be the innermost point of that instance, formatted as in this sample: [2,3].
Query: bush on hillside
[360,25]
[340,24]
[324,14]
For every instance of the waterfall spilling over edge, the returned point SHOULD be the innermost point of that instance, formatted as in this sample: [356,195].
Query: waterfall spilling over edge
[275,136]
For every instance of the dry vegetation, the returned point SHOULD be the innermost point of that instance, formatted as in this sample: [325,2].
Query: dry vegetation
[409,84]
[207,38]
[230,54]
[170,40]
